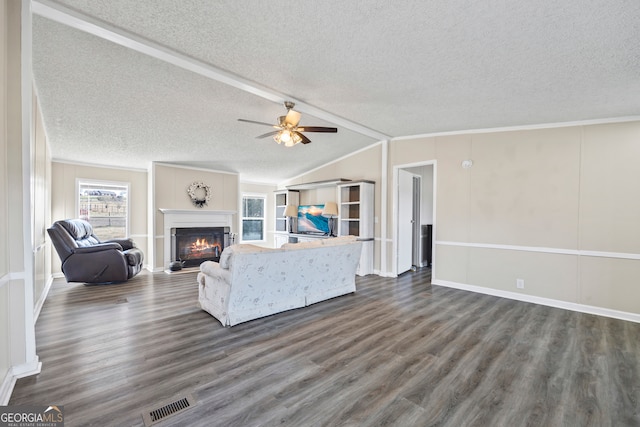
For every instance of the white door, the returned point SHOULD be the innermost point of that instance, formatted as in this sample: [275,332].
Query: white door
[405,220]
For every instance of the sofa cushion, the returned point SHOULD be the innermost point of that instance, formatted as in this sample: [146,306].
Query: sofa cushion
[227,253]
[333,241]
[301,245]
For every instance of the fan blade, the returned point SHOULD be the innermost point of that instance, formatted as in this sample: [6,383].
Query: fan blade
[292,118]
[258,123]
[317,129]
[305,140]
[267,134]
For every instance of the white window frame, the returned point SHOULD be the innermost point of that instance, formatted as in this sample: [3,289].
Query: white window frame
[264,217]
[105,183]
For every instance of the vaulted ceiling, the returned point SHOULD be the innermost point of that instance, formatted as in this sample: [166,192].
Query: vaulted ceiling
[124,83]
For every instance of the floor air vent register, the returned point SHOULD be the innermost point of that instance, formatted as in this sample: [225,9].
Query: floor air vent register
[157,414]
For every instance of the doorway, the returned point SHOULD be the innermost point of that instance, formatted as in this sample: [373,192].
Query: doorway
[414,216]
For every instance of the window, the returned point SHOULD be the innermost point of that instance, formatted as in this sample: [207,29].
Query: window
[105,206]
[253,209]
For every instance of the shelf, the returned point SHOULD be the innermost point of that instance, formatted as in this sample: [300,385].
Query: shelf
[282,199]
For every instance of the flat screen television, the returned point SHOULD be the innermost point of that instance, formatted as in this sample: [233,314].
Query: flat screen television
[311,221]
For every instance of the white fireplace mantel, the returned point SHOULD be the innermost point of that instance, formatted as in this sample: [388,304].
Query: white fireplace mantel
[189,218]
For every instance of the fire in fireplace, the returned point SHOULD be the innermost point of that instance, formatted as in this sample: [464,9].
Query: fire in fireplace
[193,246]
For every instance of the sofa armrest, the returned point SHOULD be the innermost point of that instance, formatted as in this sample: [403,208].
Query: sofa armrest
[213,270]
[97,248]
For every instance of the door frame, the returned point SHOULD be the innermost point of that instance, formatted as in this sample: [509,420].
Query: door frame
[398,223]
[394,237]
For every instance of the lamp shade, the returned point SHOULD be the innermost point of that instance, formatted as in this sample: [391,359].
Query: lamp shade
[291,210]
[330,210]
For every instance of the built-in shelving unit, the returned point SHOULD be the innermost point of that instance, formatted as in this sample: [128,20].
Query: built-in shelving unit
[355,215]
[356,218]
[283,198]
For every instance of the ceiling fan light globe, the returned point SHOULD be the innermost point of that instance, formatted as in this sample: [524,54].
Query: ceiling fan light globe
[285,136]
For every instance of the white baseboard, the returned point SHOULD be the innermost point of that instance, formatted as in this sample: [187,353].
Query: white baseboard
[581,308]
[27,369]
[6,388]
[15,372]
[58,275]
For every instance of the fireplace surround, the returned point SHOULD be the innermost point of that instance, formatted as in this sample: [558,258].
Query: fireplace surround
[188,218]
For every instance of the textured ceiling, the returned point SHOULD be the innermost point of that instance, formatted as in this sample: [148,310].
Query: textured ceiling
[398,68]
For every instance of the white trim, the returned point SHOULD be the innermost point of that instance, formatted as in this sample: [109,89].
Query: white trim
[241,218]
[273,184]
[22,329]
[6,388]
[93,165]
[346,156]
[394,237]
[27,369]
[13,374]
[106,183]
[93,26]
[600,254]
[577,252]
[581,308]
[172,165]
[509,247]
[522,127]
[384,202]
[138,236]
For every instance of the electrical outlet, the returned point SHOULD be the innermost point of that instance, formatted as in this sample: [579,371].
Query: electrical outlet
[520,283]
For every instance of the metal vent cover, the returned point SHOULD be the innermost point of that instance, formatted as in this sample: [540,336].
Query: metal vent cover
[157,414]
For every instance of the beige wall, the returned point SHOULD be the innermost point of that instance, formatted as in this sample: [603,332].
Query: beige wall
[169,191]
[63,197]
[544,197]
[165,187]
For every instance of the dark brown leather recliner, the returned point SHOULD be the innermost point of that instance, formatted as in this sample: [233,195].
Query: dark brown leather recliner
[86,259]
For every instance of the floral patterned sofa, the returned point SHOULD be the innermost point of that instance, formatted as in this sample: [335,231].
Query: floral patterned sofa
[251,282]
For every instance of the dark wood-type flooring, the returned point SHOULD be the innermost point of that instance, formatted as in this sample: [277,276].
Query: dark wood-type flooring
[398,352]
